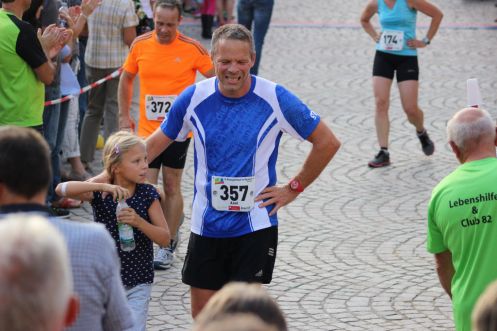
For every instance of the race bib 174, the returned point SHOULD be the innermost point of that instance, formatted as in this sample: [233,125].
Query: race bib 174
[392,40]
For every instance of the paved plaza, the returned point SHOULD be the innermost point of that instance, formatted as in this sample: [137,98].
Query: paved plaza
[351,252]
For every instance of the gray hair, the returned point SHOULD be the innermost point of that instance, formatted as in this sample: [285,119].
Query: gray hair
[470,125]
[232,32]
[35,277]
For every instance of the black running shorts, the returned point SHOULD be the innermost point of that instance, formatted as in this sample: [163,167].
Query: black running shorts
[386,64]
[211,263]
[173,157]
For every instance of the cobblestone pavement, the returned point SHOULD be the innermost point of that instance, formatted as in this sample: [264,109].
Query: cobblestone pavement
[351,253]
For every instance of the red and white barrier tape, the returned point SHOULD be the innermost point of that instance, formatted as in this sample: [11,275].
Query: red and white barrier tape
[85,89]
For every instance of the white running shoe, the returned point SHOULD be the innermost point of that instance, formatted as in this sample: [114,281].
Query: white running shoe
[164,258]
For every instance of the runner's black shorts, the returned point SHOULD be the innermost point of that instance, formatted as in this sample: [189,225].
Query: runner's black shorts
[211,263]
[386,65]
[173,157]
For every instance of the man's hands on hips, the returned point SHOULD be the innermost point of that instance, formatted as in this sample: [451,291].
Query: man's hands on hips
[278,196]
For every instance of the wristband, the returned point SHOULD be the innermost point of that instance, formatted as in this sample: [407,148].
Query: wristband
[63,189]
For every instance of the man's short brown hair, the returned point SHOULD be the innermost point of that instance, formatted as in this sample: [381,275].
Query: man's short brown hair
[170,4]
[232,32]
[25,167]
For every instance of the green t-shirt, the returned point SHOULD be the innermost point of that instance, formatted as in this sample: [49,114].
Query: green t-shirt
[462,218]
[21,93]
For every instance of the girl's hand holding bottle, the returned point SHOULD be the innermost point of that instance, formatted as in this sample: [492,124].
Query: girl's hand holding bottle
[130,217]
[118,192]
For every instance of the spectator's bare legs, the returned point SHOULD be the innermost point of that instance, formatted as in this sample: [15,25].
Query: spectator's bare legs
[409,97]
[220,12]
[199,298]
[77,168]
[222,6]
[230,4]
[381,89]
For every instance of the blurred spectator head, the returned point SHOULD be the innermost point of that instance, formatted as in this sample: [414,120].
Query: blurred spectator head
[236,298]
[235,322]
[485,311]
[24,162]
[36,290]
[32,15]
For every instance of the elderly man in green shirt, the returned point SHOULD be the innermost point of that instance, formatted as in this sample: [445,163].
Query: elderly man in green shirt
[462,214]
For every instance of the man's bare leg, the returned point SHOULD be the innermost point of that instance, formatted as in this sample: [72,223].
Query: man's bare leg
[199,298]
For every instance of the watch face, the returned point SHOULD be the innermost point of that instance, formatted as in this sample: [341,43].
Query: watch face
[294,185]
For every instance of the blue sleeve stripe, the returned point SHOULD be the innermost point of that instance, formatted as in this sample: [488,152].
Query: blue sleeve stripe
[261,139]
[201,138]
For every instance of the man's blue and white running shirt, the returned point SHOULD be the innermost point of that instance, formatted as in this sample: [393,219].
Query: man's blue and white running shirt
[235,137]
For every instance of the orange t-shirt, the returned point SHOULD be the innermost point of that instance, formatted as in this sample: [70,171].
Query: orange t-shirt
[165,70]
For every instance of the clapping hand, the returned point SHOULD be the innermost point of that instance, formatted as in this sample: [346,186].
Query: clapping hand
[66,15]
[89,6]
[53,38]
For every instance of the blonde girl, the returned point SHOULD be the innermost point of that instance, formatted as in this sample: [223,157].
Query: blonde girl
[125,160]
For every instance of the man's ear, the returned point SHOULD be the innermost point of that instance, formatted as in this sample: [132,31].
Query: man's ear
[72,311]
[456,150]
[253,57]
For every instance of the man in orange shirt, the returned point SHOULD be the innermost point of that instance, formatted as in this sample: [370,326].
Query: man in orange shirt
[166,62]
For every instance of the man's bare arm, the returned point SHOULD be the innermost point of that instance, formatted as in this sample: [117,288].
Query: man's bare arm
[124,95]
[129,34]
[324,147]
[445,270]
[157,142]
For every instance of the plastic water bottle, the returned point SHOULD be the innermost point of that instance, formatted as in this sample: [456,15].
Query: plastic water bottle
[126,236]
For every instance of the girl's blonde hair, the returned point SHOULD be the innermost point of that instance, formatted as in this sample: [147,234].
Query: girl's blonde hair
[118,144]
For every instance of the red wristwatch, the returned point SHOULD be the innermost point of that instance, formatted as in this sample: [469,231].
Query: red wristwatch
[296,185]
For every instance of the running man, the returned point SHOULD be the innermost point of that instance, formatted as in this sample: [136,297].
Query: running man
[238,120]
[166,62]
